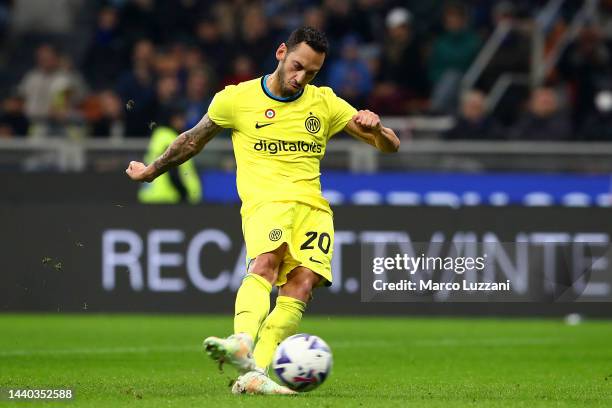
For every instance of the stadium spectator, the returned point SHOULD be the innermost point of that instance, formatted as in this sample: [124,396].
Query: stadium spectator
[401,74]
[451,55]
[13,121]
[177,53]
[178,18]
[369,19]
[473,121]
[104,57]
[168,62]
[349,76]
[339,21]
[242,69]
[197,96]
[598,125]
[315,17]
[544,120]
[167,97]
[513,54]
[65,116]
[215,48]
[137,88]
[256,40]
[110,122]
[52,92]
[38,84]
[139,20]
[227,16]
[71,88]
[194,59]
[586,65]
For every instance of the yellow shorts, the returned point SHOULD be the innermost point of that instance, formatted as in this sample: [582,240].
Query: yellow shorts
[308,232]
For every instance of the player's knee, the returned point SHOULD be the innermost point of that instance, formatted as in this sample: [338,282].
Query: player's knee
[267,265]
[300,283]
[266,270]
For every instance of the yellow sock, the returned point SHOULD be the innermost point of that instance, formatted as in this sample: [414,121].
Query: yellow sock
[280,324]
[252,304]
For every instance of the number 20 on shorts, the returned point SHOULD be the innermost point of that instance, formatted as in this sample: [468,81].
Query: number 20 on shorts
[323,242]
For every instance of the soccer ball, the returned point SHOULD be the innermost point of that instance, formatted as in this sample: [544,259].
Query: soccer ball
[302,362]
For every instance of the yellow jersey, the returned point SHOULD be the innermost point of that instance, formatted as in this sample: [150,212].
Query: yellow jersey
[279,142]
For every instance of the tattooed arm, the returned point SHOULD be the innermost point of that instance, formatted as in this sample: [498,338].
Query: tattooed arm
[184,147]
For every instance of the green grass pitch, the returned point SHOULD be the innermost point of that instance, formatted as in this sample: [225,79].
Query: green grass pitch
[156,361]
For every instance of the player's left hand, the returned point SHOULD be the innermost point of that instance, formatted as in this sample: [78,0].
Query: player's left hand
[367,120]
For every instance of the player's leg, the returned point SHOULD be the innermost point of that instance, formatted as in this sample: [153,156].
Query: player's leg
[296,280]
[267,229]
[251,308]
[253,297]
[287,314]
[312,247]
[280,324]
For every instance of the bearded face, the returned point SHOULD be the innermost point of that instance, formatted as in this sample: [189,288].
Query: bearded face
[297,67]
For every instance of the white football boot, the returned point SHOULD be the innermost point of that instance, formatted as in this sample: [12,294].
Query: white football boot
[237,350]
[257,382]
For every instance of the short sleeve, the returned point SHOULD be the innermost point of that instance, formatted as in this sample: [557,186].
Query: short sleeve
[221,109]
[340,112]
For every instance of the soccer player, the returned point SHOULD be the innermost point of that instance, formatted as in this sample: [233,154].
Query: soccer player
[280,128]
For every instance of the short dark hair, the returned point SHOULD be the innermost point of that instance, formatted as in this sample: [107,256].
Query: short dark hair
[311,36]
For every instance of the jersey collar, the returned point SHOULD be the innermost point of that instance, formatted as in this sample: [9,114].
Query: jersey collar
[269,94]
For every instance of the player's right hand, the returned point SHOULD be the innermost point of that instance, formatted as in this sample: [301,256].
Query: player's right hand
[137,171]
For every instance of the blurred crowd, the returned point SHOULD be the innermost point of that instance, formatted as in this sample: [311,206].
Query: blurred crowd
[146,60]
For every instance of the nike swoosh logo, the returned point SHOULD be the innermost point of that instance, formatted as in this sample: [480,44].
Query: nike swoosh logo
[258,126]
[314,260]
